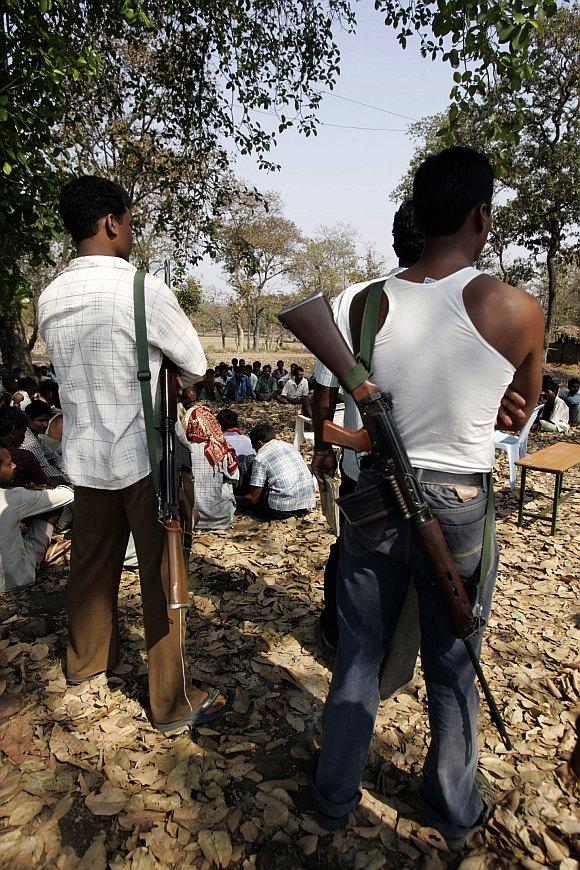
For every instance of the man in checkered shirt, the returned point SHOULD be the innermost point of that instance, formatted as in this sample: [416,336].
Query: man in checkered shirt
[86,319]
[281,484]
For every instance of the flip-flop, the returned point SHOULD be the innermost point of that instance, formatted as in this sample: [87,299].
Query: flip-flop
[198,716]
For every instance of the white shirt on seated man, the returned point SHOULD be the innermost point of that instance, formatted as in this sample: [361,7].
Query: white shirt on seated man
[21,555]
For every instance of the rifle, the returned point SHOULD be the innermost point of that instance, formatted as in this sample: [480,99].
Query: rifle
[396,477]
[169,480]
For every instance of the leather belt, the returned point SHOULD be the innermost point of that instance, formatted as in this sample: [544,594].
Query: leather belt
[448,478]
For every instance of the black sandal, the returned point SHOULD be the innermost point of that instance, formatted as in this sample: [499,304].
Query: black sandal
[198,715]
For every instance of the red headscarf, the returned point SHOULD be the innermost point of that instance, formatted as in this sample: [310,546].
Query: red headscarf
[201,427]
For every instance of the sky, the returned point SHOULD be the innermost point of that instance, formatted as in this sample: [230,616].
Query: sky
[346,176]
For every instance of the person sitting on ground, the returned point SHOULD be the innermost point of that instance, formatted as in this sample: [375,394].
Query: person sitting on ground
[249,373]
[21,399]
[572,398]
[207,389]
[555,415]
[238,387]
[53,435]
[21,555]
[5,400]
[187,398]
[280,373]
[214,468]
[297,392]
[257,367]
[266,385]
[229,424]
[29,385]
[242,445]
[39,414]
[48,392]
[13,425]
[223,375]
[281,484]
[234,364]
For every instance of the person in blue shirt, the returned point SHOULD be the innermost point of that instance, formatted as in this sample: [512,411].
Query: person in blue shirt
[572,398]
[238,387]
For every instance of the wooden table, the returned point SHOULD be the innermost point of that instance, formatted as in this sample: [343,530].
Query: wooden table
[555,459]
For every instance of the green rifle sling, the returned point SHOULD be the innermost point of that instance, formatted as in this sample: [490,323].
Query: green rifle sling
[362,371]
[144,373]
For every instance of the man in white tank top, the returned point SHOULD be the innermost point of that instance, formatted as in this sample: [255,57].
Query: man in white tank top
[443,328]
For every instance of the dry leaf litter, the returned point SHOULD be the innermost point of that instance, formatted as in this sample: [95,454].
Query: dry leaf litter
[85,781]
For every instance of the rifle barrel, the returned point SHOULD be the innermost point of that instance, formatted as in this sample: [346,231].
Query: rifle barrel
[493,711]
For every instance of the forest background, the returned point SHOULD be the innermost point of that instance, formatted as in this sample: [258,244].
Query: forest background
[164,97]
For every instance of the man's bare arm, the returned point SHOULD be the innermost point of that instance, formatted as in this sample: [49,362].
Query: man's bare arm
[512,321]
[253,496]
[323,408]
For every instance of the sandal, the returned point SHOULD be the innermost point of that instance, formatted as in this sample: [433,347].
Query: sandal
[198,715]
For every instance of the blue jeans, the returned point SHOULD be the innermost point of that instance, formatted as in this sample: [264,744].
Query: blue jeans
[378,561]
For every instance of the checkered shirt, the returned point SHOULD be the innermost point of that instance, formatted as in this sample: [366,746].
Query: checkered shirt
[86,320]
[48,460]
[279,467]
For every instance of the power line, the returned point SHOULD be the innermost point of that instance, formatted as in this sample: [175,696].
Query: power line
[341,126]
[370,129]
[366,105]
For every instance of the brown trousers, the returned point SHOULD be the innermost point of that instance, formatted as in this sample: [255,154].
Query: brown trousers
[102,522]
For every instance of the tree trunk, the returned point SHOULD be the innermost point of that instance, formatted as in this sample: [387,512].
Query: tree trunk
[552,290]
[239,335]
[223,335]
[13,344]
[256,332]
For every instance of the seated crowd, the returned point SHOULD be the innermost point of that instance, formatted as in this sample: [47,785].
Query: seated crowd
[242,382]
[225,469]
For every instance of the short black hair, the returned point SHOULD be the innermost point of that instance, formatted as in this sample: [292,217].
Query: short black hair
[38,408]
[227,419]
[30,385]
[280,361]
[84,201]
[572,382]
[447,186]
[11,418]
[408,242]
[549,383]
[262,432]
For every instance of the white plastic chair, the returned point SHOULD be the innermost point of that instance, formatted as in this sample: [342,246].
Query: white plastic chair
[515,445]
[300,434]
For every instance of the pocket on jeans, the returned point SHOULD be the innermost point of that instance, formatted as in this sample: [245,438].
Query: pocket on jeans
[466,543]
[365,539]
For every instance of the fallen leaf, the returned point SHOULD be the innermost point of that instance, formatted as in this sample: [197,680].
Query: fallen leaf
[216,846]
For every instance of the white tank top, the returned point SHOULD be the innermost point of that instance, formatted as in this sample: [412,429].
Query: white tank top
[445,379]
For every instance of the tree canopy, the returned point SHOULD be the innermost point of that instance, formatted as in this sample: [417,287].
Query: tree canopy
[538,193]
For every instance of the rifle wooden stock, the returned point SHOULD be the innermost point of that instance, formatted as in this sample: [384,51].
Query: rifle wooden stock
[312,323]
[178,592]
[446,576]
[339,436]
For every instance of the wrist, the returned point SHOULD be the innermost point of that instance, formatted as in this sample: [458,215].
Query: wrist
[320,448]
